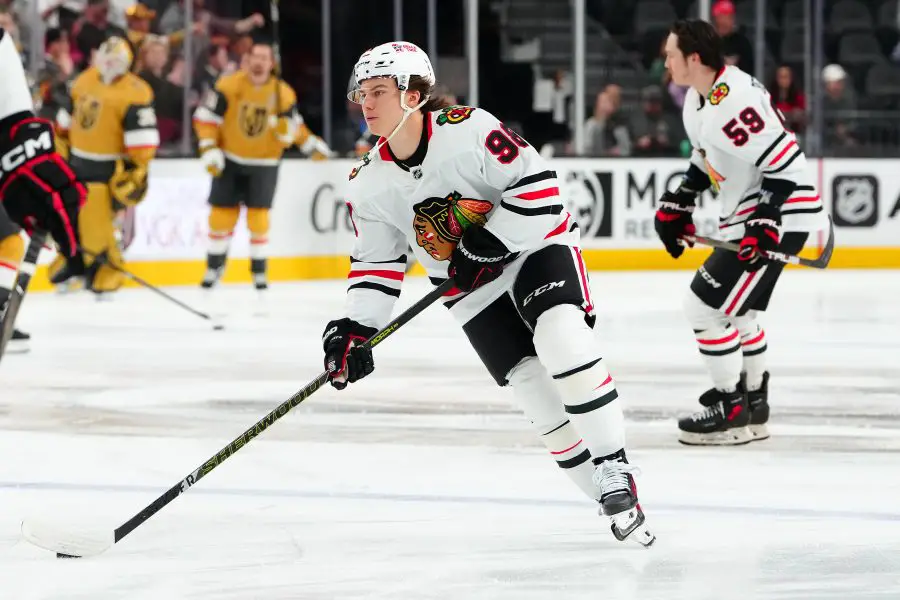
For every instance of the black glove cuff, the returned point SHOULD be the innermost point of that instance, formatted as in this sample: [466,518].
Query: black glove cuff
[695,180]
[346,327]
[480,245]
[775,192]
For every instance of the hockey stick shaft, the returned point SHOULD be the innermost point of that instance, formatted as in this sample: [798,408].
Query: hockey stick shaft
[144,283]
[23,278]
[260,426]
[790,259]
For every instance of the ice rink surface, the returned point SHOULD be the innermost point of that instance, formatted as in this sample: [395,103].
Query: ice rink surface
[424,481]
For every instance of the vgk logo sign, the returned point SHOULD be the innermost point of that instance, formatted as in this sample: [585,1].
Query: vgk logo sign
[253,120]
[588,196]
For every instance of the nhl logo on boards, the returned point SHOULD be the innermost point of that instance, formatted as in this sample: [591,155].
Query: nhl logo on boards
[587,195]
[855,200]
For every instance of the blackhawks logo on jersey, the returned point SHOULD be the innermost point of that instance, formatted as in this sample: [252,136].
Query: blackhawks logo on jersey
[440,222]
[718,93]
[454,114]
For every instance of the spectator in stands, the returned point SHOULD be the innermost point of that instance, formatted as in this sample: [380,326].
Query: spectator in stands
[118,9]
[217,63]
[789,98]
[61,13]
[58,71]
[168,97]
[9,24]
[737,48]
[206,23]
[838,108]
[606,132]
[655,132]
[92,30]
[140,17]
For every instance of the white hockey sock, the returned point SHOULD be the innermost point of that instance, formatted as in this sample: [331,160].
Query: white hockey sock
[538,398]
[753,347]
[718,341]
[567,348]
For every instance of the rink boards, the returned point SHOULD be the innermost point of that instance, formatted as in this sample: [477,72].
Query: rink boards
[612,199]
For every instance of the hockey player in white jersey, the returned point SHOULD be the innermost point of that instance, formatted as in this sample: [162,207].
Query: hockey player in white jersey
[759,176]
[37,187]
[477,203]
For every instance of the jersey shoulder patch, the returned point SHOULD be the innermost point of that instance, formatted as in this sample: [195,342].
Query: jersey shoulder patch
[719,92]
[453,115]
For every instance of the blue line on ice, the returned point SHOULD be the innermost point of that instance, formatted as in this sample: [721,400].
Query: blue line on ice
[766,511]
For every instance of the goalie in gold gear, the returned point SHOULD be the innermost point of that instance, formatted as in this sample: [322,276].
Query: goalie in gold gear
[244,125]
[12,250]
[111,133]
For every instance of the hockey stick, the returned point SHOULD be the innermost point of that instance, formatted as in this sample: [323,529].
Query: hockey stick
[816,263]
[77,544]
[275,18]
[23,278]
[102,259]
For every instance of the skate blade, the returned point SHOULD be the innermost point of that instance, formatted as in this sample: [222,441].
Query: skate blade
[759,432]
[631,525]
[737,436]
[18,347]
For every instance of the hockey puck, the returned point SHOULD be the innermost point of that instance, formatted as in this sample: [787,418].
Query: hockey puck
[61,555]
[218,327]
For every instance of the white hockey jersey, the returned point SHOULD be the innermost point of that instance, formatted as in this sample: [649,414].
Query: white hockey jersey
[15,95]
[738,139]
[475,171]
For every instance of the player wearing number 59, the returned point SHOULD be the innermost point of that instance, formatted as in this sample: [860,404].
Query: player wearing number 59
[110,129]
[758,174]
[477,203]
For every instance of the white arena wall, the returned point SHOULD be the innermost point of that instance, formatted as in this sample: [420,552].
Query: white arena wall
[613,200]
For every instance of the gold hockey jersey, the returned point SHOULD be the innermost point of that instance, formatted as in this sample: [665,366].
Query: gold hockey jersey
[108,122]
[239,117]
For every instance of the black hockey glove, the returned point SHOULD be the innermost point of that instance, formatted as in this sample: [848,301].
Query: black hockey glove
[37,187]
[761,234]
[346,360]
[478,258]
[674,219]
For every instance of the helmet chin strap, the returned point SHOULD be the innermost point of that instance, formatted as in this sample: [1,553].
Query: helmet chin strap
[407,111]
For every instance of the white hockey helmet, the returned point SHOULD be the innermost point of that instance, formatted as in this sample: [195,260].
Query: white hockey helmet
[398,60]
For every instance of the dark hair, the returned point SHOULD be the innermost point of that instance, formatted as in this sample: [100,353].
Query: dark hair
[696,36]
[792,92]
[436,100]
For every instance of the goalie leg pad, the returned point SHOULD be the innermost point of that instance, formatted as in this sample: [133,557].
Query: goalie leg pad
[718,341]
[566,346]
[98,237]
[537,395]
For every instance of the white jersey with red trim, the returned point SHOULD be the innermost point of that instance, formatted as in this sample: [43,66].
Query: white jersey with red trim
[15,94]
[738,139]
[476,171]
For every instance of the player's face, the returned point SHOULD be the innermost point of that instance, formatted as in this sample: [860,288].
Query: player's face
[260,61]
[676,62]
[380,99]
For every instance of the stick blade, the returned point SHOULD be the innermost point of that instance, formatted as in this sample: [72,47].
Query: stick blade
[66,542]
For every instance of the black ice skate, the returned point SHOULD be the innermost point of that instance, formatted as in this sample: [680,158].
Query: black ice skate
[724,422]
[758,401]
[260,281]
[211,278]
[18,343]
[618,499]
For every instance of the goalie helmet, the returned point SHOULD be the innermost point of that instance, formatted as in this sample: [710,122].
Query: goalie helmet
[397,60]
[113,59]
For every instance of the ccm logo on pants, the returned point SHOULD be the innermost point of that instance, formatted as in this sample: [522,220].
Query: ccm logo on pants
[542,289]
